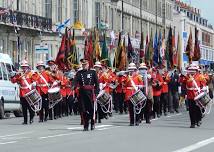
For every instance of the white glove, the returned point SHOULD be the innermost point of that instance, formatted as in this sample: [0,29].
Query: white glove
[34,84]
[149,76]
[205,89]
[55,83]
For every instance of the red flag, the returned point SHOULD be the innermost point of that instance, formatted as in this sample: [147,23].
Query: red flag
[61,54]
[175,52]
[89,51]
[141,47]
[197,52]
[189,47]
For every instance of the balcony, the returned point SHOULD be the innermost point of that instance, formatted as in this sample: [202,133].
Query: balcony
[26,20]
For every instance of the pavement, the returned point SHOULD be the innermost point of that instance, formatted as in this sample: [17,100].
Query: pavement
[166,134]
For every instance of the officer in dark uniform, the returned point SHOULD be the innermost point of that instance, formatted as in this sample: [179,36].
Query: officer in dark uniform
[87,81]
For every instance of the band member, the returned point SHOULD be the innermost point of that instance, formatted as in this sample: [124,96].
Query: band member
[63,90]
[156,86]
[194,83]
[102,86]
[147,89]
[133,83]
[164,92]
[120,92]
[43,80]
[87,81]
[24,79]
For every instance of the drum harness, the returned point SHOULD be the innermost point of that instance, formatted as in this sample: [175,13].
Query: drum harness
[198,91]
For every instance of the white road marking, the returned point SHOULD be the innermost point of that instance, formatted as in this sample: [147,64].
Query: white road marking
[196,145]
[59,135]
[174,115]
[99,126]
[14,138]
[9,142]
[107,128]
[16,134]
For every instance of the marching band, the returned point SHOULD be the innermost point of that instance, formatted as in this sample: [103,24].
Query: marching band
[143,92]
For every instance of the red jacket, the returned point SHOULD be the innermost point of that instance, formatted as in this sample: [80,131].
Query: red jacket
[192,91]
[166,80]
[23,81]
[120,81]
[43,81]
[129,89]
[157,79]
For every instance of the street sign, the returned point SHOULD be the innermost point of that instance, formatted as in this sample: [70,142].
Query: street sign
[41,49]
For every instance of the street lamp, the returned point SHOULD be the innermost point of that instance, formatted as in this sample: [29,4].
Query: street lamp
[122,12]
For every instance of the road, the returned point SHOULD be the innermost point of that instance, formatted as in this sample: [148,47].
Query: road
[167,134]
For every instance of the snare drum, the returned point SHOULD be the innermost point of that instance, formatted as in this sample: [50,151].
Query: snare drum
[138,98]
[54,96]
[34,99]
[202,100]
[104,98]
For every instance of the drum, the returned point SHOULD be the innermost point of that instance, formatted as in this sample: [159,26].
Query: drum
[104,98]
[34,99]
[54,96]
[202,100]
[138,98]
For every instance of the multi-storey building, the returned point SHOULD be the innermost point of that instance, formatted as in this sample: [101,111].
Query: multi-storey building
[186,17]
[36,22]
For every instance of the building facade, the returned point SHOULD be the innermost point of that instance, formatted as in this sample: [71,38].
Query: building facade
[186,18]
[42,42]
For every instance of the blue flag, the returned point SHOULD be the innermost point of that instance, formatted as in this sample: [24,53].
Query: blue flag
[156,52]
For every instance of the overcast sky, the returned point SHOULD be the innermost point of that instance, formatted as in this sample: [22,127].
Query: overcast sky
[206,7]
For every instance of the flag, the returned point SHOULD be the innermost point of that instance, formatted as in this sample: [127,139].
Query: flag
[160,57]
[150,52]
[61,54]
[175,52]
[104,53]
[97,49]
[122,57]
[146,57]
[169,51]
[179,52]
[117,52]
[156,52]
[197,52]
[74,54]
[89,54]
[189,47]
[142,54]
[130,50]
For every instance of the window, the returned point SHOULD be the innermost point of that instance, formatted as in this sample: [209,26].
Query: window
[4,71]
[97,14]
[9,68]
[2,46]
[59,10]
[48,8]
[76,10]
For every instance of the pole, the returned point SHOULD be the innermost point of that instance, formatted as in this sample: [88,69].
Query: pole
[122,17]
[141,26]
[156,14]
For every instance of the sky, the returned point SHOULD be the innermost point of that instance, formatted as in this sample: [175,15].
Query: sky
[206,7]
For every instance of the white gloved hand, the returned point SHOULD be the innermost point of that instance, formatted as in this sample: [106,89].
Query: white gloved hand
[34,84]
[149,76]
[55,83]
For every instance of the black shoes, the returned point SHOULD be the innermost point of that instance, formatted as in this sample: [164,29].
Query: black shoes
[31,121]
[192,126]
[85,129]
[92,127]
[24,123]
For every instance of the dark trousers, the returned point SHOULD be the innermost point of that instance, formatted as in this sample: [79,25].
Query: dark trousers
[45,107]
[70,104]
[147,110]
[164,101]
[121,103]
[134,118]
[194,112]
[58,110]
[64,106]
[156,105]
[173,101]
[26,107]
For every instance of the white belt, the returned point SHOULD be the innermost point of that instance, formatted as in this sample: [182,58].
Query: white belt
[130,88]
[24,87]
[192,89]
[42,85]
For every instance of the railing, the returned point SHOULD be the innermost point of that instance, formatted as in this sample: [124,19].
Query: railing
[26,20]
